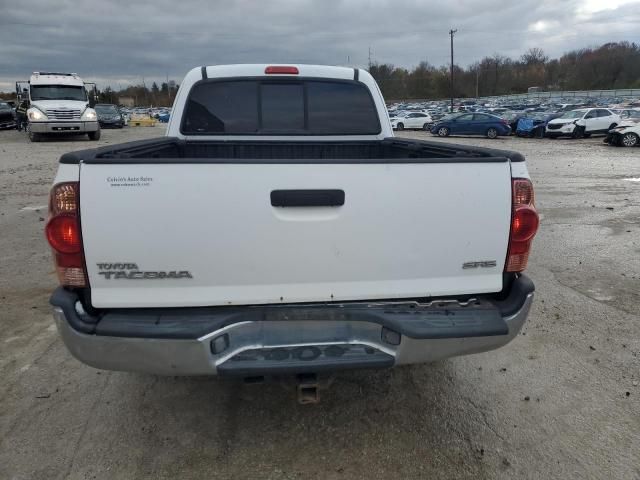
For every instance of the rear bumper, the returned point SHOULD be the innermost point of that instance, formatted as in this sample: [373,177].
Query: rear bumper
[63,127]
[253,341]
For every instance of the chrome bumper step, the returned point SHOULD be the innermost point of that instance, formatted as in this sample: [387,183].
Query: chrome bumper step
[304,359]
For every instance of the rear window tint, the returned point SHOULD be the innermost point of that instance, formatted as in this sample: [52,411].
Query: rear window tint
[280,107]
[341,108]
[222,107]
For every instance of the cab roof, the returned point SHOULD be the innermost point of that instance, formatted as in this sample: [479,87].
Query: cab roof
[54,78]
[260,69]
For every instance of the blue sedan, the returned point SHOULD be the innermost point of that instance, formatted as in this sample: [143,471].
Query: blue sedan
[471,124]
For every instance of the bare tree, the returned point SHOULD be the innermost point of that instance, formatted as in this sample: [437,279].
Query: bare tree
[534,56]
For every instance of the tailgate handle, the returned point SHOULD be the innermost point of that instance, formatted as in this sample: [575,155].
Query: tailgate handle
[307,198]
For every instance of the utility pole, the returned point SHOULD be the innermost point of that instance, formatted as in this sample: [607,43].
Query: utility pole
[369,57]
[477,81]
[451,34]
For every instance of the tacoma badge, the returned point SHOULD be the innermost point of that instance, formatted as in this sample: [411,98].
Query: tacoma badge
[130,271]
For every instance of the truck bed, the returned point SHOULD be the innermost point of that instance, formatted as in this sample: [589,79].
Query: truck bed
[390,150]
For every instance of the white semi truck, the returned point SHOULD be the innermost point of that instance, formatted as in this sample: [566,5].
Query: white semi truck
[55,103]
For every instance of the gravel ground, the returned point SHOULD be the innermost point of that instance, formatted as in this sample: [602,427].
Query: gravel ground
[561,401]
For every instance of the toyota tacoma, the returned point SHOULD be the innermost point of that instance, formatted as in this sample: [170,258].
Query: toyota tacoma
[280,228]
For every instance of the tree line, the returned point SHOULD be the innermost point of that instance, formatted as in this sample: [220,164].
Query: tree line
[613,65]
[158,95]
[610,66]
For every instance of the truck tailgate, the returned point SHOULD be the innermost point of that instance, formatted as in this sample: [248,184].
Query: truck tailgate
[195,234]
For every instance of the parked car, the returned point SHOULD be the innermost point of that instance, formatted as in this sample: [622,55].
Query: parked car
[527,126]
[164,116]
[195,287]
[533,125]
[626,134]
[630,115]
[419,120]
[7,116]
[472,124]
[109,115]
[582,122]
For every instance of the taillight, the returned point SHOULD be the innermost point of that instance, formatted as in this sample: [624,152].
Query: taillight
[64,236]
[524,225]
[281,69]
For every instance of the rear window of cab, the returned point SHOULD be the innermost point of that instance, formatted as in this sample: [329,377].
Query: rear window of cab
[280,107]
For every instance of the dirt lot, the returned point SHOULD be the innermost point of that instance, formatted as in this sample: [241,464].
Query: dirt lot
[561,401]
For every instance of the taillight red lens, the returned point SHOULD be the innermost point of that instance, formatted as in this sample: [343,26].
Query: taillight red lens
[281,69]
[64,236]
[524,225]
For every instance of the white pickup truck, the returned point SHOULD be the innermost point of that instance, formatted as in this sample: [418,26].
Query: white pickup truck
[280,228]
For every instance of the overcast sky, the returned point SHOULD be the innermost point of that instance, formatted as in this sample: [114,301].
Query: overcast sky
[118,42]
